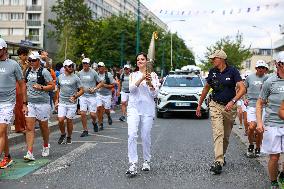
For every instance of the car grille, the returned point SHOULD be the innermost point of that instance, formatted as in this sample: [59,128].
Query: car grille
[182,98]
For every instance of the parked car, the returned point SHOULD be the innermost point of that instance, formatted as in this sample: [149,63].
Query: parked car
[180,92]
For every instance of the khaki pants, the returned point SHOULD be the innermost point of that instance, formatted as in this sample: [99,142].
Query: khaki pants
[222,124]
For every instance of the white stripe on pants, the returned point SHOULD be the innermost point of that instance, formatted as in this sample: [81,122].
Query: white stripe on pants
[145,122]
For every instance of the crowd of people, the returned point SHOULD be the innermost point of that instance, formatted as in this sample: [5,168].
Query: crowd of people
[256,99]
[31,90]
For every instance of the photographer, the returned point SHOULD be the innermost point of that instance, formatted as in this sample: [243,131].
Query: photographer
[223,79]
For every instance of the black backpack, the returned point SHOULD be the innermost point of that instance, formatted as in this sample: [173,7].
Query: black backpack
[40,77]
[107,78]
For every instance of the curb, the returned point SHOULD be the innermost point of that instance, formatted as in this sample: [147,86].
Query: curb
[17,138]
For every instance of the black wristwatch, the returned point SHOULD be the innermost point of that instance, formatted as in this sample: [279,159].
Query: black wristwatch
[26,103]
[234,101]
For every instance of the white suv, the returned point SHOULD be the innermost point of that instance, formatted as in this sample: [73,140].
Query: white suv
[180,92]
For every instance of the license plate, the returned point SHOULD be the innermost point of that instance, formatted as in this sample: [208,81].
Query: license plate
[182,104]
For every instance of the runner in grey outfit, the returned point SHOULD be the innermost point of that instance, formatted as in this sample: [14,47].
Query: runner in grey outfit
[69,89]
[38,104]
[88,101]
[272,93]
[253,85]
[124,90]
[10,73]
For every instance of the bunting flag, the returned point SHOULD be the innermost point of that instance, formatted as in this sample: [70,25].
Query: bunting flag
[231,11]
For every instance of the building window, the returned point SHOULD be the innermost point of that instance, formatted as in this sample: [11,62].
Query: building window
[248,64]
[17,31]
[4,16]
[17,16]
[34,2]
[34,16]
[17,2]
[4,2]
[33,31]
[4,31]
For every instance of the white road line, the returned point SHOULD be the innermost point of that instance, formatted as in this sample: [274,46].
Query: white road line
[103,136]
[66,160]
[110,142]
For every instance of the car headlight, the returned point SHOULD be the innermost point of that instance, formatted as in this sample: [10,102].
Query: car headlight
[164,93]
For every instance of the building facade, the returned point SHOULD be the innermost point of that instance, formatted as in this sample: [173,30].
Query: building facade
[258,54]
[26,21]
[105,8]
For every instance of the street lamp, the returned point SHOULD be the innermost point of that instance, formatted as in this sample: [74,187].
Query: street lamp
[172,41]
[269,34]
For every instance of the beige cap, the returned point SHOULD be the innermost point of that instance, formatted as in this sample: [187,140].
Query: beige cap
[219,54]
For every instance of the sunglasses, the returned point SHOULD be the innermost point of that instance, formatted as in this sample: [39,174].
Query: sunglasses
[282,63]
[32,60]
[261,67]
[85,63]
[70,66]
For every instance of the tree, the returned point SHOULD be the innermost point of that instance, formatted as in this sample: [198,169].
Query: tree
[235,50]
[73,17]
[111,39]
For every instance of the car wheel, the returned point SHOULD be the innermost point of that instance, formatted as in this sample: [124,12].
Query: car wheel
[160,114]
[205,115]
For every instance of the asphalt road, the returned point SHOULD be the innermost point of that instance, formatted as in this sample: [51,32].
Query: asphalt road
[182,152]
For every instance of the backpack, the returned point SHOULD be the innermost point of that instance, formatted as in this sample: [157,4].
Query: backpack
[107,78]
[122,78]
[40,77]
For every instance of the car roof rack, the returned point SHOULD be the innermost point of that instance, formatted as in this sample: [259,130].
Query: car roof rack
[185,72]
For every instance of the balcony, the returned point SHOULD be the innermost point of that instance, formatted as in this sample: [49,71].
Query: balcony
[33,37]
[33,23]
[34,8]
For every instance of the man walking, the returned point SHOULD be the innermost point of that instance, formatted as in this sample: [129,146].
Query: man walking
[223,79]
[272,94]
[253,85]
[39,82]
[89,79]
[104,94]
[68,86]
[10,73]
[124,90]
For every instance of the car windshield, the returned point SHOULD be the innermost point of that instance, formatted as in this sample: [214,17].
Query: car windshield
[183,81]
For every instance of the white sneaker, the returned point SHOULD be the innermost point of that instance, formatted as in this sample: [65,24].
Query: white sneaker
[29,156]
[146,166]
[45,151]
[132,171]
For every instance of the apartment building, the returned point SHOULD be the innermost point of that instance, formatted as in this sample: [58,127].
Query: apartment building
[258,54]
[23,21]
[26,21]
[105,8]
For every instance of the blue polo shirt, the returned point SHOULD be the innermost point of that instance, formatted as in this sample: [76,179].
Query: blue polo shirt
[223,84]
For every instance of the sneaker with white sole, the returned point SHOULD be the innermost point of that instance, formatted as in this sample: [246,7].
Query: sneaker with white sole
[45,151]
[29,156]
[132,171]
[146,166]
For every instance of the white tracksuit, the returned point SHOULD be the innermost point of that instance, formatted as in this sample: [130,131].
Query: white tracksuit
[140,112]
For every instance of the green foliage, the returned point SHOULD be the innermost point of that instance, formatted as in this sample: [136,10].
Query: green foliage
[111,39]
[235,50]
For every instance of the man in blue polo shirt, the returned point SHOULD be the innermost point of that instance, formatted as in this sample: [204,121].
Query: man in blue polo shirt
[223,79]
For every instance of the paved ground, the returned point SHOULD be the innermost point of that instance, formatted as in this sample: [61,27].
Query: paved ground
[182,152]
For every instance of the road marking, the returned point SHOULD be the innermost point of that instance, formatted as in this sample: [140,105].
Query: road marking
[110,142]
[102,136]
[66,160]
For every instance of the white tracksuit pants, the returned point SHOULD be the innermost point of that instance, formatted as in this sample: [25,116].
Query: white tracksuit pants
[145,122]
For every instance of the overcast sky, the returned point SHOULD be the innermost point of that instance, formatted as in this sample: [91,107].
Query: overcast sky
[203,28]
